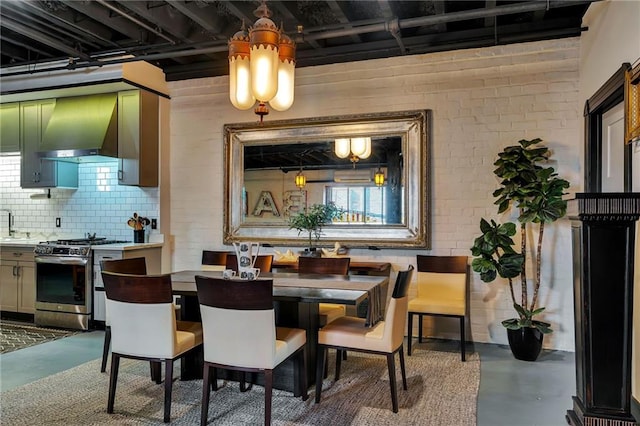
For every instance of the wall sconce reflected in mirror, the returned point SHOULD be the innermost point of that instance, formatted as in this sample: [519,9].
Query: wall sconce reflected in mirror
[355,148]
[378,177]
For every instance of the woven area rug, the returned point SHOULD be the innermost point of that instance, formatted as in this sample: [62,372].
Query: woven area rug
[442,391]
[14,335]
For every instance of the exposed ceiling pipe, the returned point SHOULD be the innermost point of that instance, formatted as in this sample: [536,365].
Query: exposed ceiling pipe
[19,28]
[441,19]
[394,30]
[135,21]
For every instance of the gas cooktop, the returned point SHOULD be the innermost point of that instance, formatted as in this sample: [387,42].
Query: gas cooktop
[85,241]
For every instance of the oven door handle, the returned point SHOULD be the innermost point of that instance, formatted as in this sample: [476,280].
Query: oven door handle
[62,260]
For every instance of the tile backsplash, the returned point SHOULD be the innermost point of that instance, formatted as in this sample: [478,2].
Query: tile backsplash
[99,204]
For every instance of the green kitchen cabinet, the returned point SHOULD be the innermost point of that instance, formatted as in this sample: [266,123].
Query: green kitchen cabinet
[37,172]
[138,138]
[10,127]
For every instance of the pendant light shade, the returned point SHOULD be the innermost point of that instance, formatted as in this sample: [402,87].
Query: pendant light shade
[342,148]
[286,74]
[264,38]
[239,71]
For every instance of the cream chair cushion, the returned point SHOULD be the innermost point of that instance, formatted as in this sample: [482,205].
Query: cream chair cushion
[223,345]
[351,332]
[213,268]
[330,312]
[440,293]
[150,330]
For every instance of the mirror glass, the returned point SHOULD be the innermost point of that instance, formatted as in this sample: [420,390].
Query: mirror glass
[263,163]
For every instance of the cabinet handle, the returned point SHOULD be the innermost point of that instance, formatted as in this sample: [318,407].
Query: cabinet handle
[17,254]
[120,174]
[18,270]
[13,272]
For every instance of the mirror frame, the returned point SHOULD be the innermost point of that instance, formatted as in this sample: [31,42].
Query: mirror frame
[414,129]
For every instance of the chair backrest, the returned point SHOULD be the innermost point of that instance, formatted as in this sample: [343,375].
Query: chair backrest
[238,321]
[263,262]
[142,317]
[444,279]
[214,260]
[396,313]
[323,265]
[133,265]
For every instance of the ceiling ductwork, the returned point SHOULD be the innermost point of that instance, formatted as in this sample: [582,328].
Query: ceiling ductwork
[188,39]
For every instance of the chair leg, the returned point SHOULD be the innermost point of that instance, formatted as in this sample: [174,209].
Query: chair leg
[214,380]
[268,387]
[206,376]
[168,382]
[392,381]
[402,369]
[113,379]
[344,355]
[420,321]
[320,361]
[462,340]
[155,369]
[105,348]
[302,373]
[338,363]
[409,332]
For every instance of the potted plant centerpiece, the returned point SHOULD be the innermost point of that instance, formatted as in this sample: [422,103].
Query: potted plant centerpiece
[312,220]
[536,193]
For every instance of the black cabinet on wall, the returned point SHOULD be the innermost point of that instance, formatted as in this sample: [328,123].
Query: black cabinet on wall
[603,236]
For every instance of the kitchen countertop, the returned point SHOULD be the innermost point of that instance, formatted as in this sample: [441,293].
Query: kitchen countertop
[31,243]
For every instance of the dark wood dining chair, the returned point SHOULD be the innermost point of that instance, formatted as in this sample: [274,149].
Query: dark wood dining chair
[133,266]
[384,338]
[238,321]
[144,327]
[442,291]
[214,260]
[264,262]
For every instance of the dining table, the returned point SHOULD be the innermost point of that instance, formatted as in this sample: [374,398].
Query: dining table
[296,297]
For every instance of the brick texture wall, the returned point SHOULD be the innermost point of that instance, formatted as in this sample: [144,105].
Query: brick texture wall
[482,100]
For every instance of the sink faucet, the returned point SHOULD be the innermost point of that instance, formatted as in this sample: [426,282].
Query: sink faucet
[11,230]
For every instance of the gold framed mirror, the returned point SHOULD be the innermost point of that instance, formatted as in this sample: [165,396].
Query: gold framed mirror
[262,162]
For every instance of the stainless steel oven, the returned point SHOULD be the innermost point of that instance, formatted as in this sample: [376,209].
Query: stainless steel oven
[64,282]
[63,286]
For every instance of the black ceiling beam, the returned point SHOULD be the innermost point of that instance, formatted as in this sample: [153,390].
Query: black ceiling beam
[43,39]
[104,16]
[96,34]
[201,16]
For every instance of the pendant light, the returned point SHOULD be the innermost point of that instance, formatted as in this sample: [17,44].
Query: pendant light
[261,66]
[301,180]
[378,177]
[355,148]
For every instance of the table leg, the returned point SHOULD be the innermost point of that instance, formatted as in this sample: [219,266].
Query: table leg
[192,362]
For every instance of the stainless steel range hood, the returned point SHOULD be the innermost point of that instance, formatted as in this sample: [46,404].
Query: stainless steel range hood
[82,129]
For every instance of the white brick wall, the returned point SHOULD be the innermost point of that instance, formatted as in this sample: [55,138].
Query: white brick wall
[482,100]
[99,204]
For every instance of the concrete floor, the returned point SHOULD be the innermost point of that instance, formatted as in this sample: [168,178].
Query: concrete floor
[512,392]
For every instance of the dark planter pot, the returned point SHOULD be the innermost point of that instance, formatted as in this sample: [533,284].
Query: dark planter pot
[525,343]
[312,252]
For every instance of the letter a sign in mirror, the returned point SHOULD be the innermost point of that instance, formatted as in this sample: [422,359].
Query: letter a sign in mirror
[375,167]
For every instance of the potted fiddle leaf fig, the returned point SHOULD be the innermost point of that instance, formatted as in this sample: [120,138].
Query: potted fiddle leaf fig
[536,193]
[313,219]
